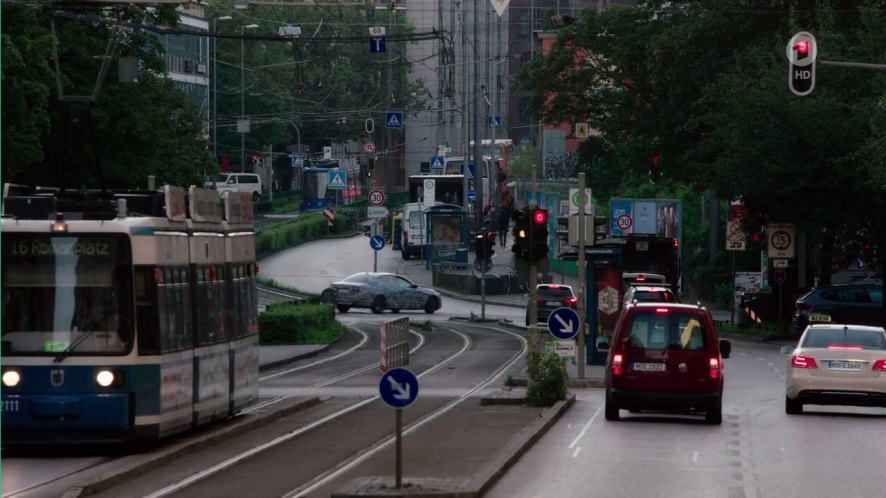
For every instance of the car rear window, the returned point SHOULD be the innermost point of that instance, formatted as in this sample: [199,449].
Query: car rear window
[658,296]
[357,277]
[554,291]
[667,330]
[824,338]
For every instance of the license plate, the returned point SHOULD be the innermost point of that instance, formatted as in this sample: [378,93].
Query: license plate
[844,365]
[819,318]
[553,303]
[649,367]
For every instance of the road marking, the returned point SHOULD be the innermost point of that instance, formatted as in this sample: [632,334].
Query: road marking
[585,428]
[694,457]
[576,452]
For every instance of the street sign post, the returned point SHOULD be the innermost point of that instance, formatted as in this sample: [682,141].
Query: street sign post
[377,242]
[376,197]
[398,388]
[564,323]
[376,212]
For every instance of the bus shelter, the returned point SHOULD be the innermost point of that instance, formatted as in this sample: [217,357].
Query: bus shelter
[447,234]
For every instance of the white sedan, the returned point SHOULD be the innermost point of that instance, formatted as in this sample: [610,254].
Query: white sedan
[836,365]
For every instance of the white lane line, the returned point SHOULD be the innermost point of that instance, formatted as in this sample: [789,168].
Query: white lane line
[584,429]
[576,452]
[694,457]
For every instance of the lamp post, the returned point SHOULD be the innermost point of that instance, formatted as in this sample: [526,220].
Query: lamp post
[215,85]
[243,99]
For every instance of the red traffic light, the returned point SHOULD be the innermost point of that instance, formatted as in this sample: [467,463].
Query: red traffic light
[802,48]
[540,216]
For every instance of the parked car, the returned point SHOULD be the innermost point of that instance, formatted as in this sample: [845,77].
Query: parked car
[549,297]
[381,291]
[858,304]
[665,357]
[836,364]
[249,183]
[642,278]
[649,293]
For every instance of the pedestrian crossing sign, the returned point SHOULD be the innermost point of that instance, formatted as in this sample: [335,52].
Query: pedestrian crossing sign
[437,163]
[337,180]
[393,119]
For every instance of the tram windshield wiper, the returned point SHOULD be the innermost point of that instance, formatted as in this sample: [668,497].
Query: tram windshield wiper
[64,354]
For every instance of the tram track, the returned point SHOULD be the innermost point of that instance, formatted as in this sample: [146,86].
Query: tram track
[333,419]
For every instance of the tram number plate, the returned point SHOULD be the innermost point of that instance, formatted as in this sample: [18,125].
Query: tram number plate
[649,367]
[10,405]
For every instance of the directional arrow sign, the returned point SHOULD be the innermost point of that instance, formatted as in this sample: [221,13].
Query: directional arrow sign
[377,242]
[564,323]
[398,387]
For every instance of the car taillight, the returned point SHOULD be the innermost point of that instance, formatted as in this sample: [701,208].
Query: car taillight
[880,366]
[661,310]
[616,364]
[804,306]
[714,372]
[571,300]
[803,362]
[844,346]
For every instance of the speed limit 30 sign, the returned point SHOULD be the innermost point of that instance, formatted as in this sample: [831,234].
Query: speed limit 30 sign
[376,197]
[781,241]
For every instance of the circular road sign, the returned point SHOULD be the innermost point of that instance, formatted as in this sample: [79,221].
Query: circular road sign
[780,275]
[564,323]
[781,240]
[376,197]
[369,147]
[398,387]
[624,221]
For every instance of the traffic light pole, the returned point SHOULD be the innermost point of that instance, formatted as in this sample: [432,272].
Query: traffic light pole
[582,310]
[534,347]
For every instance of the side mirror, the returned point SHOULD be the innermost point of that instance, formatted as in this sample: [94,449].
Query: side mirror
[787,350]
[725,348]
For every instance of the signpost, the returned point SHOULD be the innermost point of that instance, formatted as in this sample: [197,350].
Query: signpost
[377,197]
[564,323]
[398,388]
[377,243]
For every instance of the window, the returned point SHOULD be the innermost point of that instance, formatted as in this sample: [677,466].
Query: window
[681,331]
[523,111]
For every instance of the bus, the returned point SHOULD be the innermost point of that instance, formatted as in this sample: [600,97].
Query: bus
[127,315]
[649,255]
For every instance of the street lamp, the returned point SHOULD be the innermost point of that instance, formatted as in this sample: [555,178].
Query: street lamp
[215,85]
[241,125]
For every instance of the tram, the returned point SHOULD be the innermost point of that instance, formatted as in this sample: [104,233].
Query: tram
[316,191]
[127,316]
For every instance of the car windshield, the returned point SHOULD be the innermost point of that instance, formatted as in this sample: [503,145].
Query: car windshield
[845,337]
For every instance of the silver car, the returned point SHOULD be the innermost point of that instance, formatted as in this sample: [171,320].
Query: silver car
[382,291]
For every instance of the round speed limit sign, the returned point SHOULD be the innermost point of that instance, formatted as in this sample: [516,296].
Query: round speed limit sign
[376,198]
[624,221]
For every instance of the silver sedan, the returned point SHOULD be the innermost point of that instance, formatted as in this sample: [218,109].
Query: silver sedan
[381,291]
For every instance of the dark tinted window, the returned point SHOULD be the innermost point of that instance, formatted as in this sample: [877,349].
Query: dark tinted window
[555,292]
[667,330]
[657,296]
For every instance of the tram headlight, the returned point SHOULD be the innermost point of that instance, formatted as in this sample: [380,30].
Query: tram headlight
[11,378]
[105,378]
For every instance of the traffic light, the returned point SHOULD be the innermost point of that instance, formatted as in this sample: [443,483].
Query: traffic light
[483,248]
[538,235]
[370,167]
[655,172]
[521,233]
[802,51]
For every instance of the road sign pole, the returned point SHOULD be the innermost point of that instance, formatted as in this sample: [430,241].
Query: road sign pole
[399,448]
[582,312]
[375,253]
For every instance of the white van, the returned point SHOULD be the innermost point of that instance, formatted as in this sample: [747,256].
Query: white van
[249,183]
[414,229]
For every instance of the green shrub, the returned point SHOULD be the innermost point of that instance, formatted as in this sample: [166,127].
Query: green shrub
[550,382]
[299,323]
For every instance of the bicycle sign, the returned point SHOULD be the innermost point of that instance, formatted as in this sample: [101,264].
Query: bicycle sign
[781,241]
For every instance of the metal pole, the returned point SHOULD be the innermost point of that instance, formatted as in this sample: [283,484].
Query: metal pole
[271,173]
[399,448]
[732,308]
[389,133]
[242,103]
[582,308]
[214,91]
[479,166]
[534,338]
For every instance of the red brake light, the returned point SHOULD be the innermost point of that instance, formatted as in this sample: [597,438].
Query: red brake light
[641,279]
[803,362]
[553,286]
[661,310]
[571,300]
[714,372]
[880,366]
[616,364]
[804,306]
[844,346]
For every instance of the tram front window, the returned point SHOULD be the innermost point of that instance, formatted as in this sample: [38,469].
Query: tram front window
[65,294]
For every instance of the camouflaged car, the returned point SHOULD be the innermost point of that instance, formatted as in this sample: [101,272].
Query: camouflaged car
[382,291]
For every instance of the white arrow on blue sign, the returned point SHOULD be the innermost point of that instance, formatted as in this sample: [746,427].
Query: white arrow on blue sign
[377,242]
[564,323]
[398,387]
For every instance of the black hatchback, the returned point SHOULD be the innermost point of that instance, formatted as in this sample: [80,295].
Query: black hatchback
[550,297]
[857,304]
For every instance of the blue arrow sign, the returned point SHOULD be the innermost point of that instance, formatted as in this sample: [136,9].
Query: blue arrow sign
[437,162]
[377,242]
[398,387]
[393,119]
[564,323]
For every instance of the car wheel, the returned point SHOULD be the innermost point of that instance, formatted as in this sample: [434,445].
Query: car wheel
[431,305]
[378,305]
[714,415]
[404,254]
[327,296]
[611,409]
[395,310]
[792,406]
[342,308]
